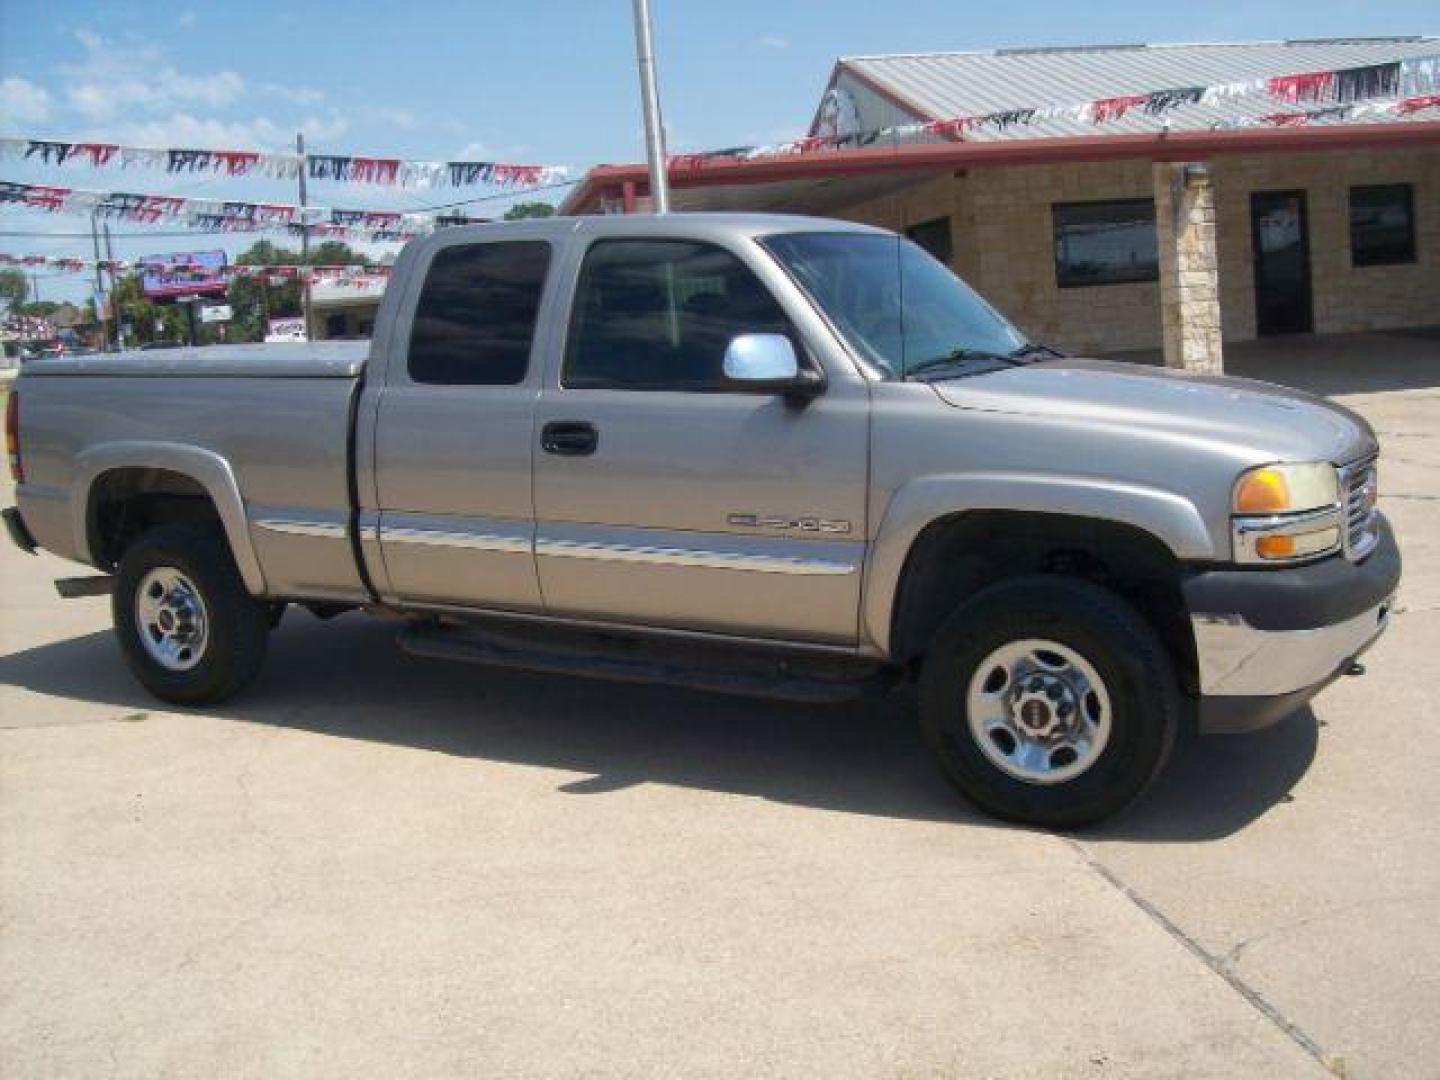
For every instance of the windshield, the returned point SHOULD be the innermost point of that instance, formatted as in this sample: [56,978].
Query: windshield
[898,307]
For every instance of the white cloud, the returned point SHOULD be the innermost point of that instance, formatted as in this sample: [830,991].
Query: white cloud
[111,81]
[775,41]
[186,19]
[300,95]
[184,129]
[472,151]
[22,102]
[396,117]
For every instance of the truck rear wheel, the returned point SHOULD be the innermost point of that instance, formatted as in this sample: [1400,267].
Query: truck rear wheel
[1049,701]
[188,629]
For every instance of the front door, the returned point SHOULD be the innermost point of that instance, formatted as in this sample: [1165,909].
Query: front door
[1281,241]
[663,497]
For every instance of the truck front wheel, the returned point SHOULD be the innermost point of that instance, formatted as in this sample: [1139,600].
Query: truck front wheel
[1049,701]
[188,629]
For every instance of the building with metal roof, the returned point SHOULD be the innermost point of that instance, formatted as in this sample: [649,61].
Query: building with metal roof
[1129,196]
[874,92]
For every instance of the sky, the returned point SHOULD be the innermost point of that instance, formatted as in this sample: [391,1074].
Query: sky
[543,81]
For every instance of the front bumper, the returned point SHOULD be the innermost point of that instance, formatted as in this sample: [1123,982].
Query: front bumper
[1269,640]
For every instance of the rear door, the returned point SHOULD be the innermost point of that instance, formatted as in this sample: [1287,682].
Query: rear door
[664,497]
[454,431]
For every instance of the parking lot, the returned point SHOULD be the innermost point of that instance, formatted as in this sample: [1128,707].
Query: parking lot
[377,865]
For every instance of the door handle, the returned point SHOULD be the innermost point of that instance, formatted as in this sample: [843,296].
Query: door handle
[569,438]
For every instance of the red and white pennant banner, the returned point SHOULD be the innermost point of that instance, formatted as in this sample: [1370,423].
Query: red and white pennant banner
[342,168]
[216,215]
[276,274]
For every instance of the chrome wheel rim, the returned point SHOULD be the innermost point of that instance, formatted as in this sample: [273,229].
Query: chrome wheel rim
[171,619]
[1039,711]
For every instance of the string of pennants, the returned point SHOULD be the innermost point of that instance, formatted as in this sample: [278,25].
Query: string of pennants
[1401,107]
[276,275]
[1411,84]
[221,215]
[342,168]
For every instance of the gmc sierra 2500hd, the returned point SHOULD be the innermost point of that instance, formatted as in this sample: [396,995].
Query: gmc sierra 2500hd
[758,454]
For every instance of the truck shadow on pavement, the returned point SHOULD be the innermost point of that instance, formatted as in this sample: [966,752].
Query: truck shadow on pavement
[348,680]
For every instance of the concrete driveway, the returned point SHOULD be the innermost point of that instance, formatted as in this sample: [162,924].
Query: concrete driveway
[373,865]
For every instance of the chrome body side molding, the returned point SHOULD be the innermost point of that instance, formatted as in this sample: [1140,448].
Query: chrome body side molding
[327,530]
[695,558]
[469,541]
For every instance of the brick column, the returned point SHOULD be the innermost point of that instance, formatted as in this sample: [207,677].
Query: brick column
[1189,277]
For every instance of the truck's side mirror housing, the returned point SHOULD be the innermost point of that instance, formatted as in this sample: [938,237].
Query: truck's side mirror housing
[766,363]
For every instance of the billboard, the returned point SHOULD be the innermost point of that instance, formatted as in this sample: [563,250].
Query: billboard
[183,273]
[285,330]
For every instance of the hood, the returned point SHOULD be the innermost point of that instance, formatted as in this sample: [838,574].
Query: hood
[1278,423]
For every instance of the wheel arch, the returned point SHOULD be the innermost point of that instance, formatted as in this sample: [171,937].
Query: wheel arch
[926,561]
[131,470]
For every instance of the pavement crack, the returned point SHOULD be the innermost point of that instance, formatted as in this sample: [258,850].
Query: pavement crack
[1218,965]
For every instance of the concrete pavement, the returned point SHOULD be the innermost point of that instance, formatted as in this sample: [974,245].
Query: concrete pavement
[378,865]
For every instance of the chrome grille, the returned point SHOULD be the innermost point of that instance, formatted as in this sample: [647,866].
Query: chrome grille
[1359,493]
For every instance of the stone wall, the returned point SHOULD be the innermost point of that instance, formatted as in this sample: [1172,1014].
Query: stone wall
[1003,240]
[1346,298]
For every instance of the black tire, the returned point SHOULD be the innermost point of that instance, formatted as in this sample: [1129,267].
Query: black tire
[1108,634]
[237,624]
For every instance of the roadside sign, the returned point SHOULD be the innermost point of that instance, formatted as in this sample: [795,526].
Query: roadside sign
[216,313]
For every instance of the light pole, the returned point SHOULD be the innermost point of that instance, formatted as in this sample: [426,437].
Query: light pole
[650,102]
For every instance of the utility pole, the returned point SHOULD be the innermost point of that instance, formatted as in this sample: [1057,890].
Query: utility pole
[650,102]
[304,235]
[114,307]
[99,282]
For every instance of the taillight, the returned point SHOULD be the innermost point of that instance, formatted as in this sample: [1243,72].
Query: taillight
[12,438]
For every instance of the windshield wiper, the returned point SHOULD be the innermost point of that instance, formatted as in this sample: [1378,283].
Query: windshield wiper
[953,363]
[1032,349]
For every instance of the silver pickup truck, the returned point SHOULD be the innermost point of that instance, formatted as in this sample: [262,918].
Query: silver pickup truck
[758,454]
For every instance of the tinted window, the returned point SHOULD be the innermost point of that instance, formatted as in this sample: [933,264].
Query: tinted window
[1382,225]
[476,315]
[895,304]
[659,314]
[1105,243]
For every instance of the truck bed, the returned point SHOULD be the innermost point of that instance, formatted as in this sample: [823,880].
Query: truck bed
[266,428]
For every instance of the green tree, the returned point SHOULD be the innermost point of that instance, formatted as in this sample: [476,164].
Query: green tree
[264,253]
[334,253]
[14,288]
[529,210]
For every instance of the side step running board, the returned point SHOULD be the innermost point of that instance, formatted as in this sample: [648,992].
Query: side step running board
[627,659]
[72,588]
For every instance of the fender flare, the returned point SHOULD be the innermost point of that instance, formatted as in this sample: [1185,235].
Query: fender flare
[1170,518]
[207,468]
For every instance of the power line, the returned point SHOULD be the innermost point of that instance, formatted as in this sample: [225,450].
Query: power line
[494,197]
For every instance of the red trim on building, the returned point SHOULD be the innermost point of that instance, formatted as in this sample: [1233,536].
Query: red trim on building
[608,180]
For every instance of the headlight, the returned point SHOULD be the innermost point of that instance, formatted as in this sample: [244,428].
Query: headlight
[1286,513]
[1287,489]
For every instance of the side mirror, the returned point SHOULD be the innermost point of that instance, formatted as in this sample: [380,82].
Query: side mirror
[766,363]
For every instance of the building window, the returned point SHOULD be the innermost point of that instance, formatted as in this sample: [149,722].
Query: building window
[1382,225]
[1105,243]
[476,315]
[659,315]
[934,237]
